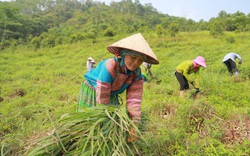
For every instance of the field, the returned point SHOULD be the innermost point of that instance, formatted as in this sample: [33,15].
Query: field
[39,85]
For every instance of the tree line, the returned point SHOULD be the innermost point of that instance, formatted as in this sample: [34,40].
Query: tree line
[47,23]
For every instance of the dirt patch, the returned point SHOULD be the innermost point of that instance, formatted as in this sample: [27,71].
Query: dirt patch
[237,130]
[234,130]
[35,137]
[19,92]
[168,112]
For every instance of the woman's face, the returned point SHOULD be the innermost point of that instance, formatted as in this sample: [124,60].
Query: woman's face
[133,61]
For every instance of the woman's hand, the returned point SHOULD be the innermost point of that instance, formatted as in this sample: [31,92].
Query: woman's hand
[132,135]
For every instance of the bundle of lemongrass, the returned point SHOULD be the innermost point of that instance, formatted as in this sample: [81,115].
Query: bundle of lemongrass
[101,130]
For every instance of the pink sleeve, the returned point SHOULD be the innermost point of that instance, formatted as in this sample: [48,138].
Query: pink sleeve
[103,92]
[134,98]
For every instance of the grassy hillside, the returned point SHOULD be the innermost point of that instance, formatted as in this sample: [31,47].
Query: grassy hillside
[216,122]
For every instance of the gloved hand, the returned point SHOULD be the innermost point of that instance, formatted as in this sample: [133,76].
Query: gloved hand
[197,90]
[132,135]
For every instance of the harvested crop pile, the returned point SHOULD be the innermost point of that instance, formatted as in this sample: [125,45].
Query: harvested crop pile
[101,130]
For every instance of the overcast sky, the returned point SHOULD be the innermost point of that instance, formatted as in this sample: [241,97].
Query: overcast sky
[196,9]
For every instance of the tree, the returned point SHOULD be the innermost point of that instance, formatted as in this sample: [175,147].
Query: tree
[216,29]
[9,15]
[240,21]
[109,32]
[202,25]
[159,30]
[173,29]
[35,42]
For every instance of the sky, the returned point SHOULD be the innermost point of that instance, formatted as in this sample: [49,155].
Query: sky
[196,9]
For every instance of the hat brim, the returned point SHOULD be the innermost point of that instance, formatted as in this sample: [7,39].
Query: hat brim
[116,50]
[136,43]
[202,64]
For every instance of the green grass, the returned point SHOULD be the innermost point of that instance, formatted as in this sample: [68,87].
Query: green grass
[49,79]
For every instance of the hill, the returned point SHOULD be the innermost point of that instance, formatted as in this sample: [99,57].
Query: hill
[40,85]
[47,23]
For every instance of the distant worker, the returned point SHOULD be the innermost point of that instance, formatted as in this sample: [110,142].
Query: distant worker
[229,61]
[90,63]
[147,67]
[186,68]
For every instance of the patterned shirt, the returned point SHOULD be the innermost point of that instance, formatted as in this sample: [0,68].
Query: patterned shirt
[108,78]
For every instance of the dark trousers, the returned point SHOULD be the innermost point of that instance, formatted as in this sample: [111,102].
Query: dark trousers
[231,66]
[182,81]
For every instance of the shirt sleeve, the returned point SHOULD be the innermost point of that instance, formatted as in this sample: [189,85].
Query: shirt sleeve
[186,71]
[197,82]
[240,59]
[134,98]
[104,81]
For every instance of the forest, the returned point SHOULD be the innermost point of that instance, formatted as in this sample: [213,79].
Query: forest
[47,23]
[44,46]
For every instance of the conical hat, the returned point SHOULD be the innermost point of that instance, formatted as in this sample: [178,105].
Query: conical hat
[135,43]
[90,59]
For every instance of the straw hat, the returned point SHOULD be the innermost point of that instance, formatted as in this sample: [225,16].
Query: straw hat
[90,59]
[135,43]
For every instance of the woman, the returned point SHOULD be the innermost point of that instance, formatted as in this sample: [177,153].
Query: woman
[185,69]
[147,67]
[113,76]
[229,61]
[90,63]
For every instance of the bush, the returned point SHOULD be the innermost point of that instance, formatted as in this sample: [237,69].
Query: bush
[230,39]
[35,42]
[109,32]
